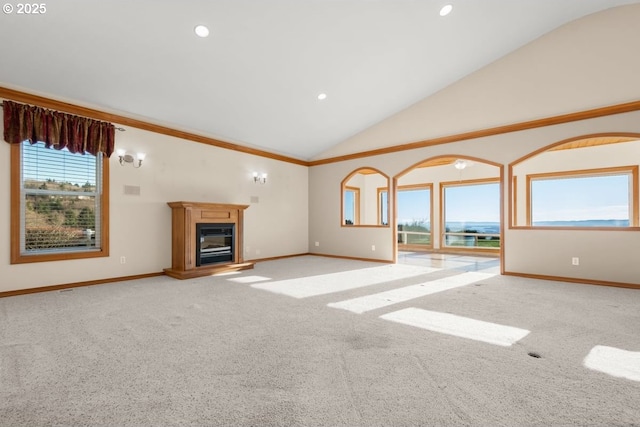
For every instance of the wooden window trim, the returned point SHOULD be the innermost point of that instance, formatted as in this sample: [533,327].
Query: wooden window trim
[379,203]
[422,186]
[585,173]
[356,207]
[343,186]
[513,223]
[480,181]
[514,186]
[16,257]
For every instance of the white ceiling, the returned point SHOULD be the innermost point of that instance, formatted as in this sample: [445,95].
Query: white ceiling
[255,79]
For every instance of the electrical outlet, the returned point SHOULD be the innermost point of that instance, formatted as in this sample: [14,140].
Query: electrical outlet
[317,243]
[575,261]
[373,247]
[123,260]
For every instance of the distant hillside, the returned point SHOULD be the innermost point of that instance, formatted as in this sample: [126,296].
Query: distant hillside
[59,220]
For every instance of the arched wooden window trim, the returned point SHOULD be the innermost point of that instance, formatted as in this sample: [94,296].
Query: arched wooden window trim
[365,170]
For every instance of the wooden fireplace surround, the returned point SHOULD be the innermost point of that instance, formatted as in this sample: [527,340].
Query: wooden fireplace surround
[184,218]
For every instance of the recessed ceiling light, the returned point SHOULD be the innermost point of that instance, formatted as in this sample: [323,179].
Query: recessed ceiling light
[201,31]
[322,96]
[446,10]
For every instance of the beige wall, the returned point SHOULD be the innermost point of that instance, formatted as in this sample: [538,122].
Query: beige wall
[586,64]
[604,255]
[140,227]
[596,157]
[589,63]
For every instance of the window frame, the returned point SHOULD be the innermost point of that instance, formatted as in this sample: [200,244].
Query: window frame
[381,191]
[443,219]
[417,187]
[358,199]
[16,255]
[356,206]
[631,170]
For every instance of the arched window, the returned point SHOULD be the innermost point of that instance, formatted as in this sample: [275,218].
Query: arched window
[449,203]
[365,201]
[589,182]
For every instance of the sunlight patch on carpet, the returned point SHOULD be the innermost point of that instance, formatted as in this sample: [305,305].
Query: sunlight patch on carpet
[614,361]
[394,296]
[249,279]
[305,287]
[459,326]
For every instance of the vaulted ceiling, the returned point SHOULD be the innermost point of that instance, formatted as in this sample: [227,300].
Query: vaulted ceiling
[256,78]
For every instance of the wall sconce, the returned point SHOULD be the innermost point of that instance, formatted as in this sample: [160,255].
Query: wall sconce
[125,157]
[262,179]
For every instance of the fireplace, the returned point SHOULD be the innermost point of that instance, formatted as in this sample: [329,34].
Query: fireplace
[214,243]
[206,238]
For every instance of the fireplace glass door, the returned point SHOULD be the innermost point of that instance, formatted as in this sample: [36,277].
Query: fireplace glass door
[214,243]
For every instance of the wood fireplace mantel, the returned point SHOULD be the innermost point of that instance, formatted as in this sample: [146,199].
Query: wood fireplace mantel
[185,216]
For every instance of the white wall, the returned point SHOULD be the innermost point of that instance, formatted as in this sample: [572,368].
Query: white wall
[140,226]
[588,63]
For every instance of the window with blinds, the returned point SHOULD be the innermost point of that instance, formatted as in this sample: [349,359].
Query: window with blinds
[60,200]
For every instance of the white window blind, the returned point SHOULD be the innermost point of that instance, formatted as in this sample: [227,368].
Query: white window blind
[60,206]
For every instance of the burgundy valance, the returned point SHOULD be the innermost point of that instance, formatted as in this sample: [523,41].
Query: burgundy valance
[58,130]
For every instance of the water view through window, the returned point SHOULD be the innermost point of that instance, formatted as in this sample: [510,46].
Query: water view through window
[414,215]
[472,215]
[582,201]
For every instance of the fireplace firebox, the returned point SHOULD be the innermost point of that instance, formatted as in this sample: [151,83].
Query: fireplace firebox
[214,243]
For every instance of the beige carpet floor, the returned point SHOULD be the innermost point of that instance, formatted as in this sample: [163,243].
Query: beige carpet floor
[280,345]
